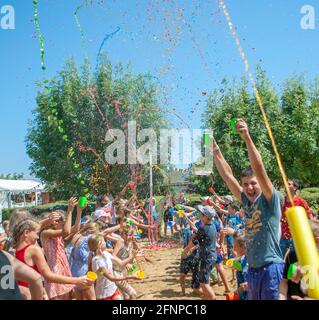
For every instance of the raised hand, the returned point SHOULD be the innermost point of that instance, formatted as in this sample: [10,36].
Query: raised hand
[73,201]
[242,128]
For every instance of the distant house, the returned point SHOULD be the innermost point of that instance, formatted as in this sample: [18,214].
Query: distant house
[20,193]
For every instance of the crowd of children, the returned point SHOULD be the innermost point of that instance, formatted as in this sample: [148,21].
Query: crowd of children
[254,229]
[97,256]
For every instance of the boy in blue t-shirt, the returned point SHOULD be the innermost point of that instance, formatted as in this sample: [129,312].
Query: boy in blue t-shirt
[261,204]
[205,239]
[190,263]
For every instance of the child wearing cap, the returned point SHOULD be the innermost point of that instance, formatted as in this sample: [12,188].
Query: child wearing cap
[205,239]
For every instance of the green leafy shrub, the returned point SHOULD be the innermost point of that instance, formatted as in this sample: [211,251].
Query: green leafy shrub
[311,195]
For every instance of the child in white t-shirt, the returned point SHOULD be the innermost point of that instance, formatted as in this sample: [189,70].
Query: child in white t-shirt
[102,265]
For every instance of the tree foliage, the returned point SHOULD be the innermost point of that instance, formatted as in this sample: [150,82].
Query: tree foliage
[66,138]
[294,118]
[12,176]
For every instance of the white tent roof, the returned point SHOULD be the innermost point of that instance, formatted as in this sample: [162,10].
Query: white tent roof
[20,185]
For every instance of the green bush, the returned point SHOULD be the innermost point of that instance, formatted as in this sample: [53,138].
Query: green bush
[193,199]
[35,210]
[311,195]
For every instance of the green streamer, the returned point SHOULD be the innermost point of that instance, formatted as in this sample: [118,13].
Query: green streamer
[41,38]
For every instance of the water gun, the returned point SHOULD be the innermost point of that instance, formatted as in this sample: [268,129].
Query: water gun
[138,233]
[141,274]
[235,264]
[180,213]
[91,275]
[232,124]
[132,270]
[305,247]
[292,270]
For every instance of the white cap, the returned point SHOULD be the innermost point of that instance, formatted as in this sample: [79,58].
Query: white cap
[104,212]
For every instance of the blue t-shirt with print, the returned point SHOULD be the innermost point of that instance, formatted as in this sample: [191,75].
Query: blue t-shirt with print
[206,239]
[262,229]
[232,221]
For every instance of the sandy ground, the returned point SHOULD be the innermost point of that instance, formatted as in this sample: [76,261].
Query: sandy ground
[161,280]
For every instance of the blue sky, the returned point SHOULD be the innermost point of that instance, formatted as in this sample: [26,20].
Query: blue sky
[186,44]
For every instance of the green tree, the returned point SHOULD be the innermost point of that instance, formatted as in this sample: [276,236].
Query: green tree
[300,138]
[285,116]
[12,176]
[66,138]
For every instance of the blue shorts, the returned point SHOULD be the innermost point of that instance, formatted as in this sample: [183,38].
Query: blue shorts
[263,282]
[191,263]
[186,265]
[205,268]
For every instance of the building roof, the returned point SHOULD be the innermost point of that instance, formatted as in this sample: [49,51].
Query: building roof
[20,185]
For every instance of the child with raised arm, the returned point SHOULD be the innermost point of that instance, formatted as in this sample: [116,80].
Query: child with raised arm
[79,258]
[261,204]
[25,236]
[102,265]
[123,252]
[52,240]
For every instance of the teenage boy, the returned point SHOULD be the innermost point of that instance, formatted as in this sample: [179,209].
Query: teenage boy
[261,204]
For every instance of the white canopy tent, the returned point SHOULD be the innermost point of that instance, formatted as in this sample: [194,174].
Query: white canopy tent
[10,187]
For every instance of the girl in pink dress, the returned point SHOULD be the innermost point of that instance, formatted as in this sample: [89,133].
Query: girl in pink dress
[53,247]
